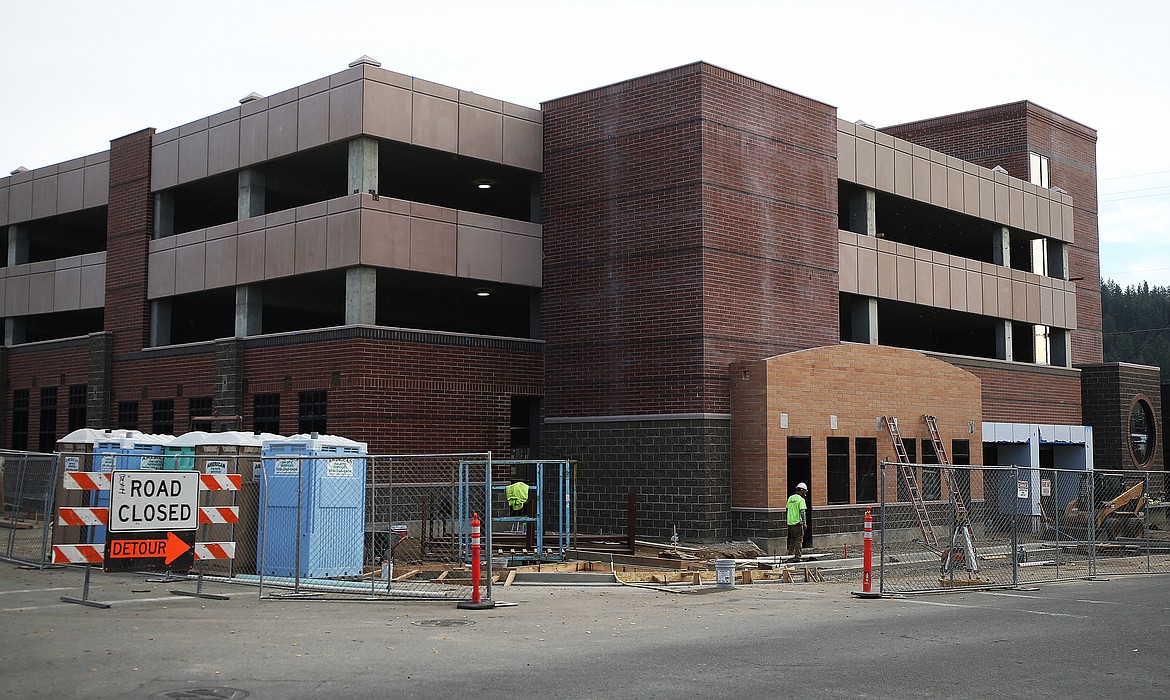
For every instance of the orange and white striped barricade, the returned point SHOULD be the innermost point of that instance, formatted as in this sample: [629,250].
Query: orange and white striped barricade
[85,554]
[214,515]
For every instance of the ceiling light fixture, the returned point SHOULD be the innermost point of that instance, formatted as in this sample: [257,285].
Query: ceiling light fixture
[483,184]
[483,293]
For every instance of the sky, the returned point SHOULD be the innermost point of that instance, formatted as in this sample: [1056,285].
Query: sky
[76,73]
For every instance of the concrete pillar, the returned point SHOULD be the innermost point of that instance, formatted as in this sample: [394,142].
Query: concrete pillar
[361,290]
[164,214]
[863,212]
[1001,246]
[1003,340]
[160,322]
[865,321]
[17,245]
[14,327]
[249,311]
[251,194]
[363,165]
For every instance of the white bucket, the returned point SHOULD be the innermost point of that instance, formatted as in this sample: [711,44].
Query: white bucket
[724,572]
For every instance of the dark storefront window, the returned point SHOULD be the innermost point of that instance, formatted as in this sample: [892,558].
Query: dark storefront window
[867,470]
[312,412]
[198,407]
[47,435]
[162,416]
[931,490]
[77,401]
[266,413]
[837,452]
[128,415]
[912,456]
[20,419]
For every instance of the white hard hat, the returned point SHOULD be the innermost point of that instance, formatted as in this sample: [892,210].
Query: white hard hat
[802,485]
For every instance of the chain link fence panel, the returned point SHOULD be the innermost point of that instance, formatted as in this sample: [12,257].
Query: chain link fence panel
[1015,525]
[931,545]
[367,527]
[28,484]
[1127,521]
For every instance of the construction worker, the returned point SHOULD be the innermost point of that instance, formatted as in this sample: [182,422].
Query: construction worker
[797,520]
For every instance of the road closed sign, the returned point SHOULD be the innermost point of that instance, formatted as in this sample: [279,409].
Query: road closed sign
[143,501]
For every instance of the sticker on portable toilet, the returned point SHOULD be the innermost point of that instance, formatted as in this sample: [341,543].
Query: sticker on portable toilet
[107,464]
[218,468]
[1021,489]
[257,470]
[152,462]
[1046,487]
[73,464]
[285,467]
[339,467]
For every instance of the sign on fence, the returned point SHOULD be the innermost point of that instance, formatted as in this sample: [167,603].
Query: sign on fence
[152,521]
[154,501]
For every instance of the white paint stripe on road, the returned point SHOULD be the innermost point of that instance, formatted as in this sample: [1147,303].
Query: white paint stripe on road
[38,590]
[988,607]
[108,602]
[1040,597]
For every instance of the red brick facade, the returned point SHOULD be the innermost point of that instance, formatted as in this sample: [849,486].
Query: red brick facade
[130,223]
[1010,391]
[689,221]
[397,395]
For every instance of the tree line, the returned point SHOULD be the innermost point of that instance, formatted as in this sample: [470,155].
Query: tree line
[1136,324]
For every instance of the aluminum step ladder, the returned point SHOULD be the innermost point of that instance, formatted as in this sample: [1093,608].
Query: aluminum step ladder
[961,535]
[906,470]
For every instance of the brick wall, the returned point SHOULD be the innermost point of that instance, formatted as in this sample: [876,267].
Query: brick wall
[1110,391]
[1010,392]
[171,373]
[1005,135]
[397,395]
[424,394]
[129,227]
[689,220]
[678,468]
[58,364]
[856,383]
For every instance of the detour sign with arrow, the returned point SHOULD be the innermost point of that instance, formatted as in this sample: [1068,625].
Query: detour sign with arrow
[169,548]
[142,503]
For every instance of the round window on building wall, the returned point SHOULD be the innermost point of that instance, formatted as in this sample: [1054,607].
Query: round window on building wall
[1142,431]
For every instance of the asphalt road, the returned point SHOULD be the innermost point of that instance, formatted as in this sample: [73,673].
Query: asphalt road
[1105,638]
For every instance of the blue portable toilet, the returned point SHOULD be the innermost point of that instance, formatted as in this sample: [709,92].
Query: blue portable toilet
[324,477]
[124,450]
